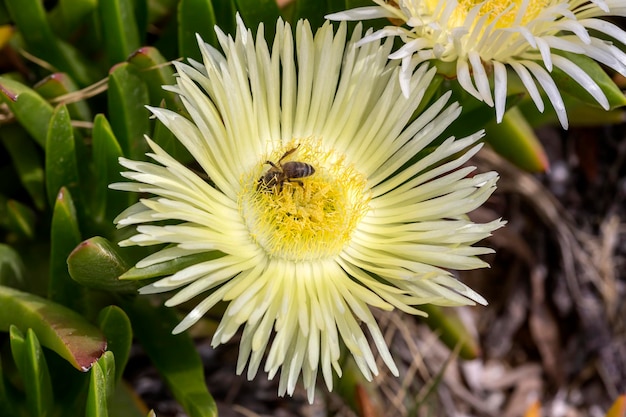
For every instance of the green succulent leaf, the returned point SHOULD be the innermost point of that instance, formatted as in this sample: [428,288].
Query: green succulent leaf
[169,267]
[107,203]
[195,16]
[141,13]
[96,395]
[225,12]
[116,327]
[20,219]
[69,15]
[183,370]
[96,263]
[61,165]
[101,386]
[12,269]
[57,327]
[64,236]
[27,162]
[451,330]
[590,67]
[476,114]
[59,84]
[515,140]
[313,11]
[120,32]
[125,402]
[156,71]
[32,23]
[579,114]
[128,95]
[29,108]
[31,364]
[254,12]
[7,398]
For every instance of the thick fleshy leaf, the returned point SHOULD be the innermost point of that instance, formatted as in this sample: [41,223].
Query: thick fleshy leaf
[590,67]
[30,18]
[96,263]
[141,11]
[175,356]
[27,161]
[106,203]
[101,385]
[451,330]
[313,11]
[515,139]
[195,16]
[59,84]
[119,27]
[57,327]
[5,19]
[11,268]
[579,114]
[475,115]
[116,327]
[225,12]
[335,5]
[69,15]
[29,108]
[64,236]
[96,395]
[19,218]
[125,402]
[129,118]
[160,10]
[254,12]
[169,267]
[351,4]
[61,165]
[7,397]
[156,72]
[31,365]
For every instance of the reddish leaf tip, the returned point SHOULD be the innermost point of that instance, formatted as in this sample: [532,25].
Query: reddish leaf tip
[116,66]
[144,50]
[10,94]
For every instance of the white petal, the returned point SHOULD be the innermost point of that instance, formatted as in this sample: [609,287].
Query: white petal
[500,89]
[360,13]
[582,78]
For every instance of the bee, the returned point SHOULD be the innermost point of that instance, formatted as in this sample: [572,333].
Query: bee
[280,172]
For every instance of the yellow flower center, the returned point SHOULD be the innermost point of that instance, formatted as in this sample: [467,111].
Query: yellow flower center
[296,214]
[505,11]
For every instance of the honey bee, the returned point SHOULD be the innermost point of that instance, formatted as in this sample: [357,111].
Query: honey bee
[280,173]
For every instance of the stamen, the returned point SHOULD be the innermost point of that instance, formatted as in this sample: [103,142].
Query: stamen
[303,217]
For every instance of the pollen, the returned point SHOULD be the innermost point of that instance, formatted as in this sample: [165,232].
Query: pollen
[304,218]
[505,13]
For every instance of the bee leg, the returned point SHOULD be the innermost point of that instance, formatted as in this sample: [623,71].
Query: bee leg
[300,183]
[289,152]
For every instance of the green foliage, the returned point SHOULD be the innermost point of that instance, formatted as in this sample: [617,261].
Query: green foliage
[90,58]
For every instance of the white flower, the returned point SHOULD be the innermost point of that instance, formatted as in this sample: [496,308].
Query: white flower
[301,256]
[485,37]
